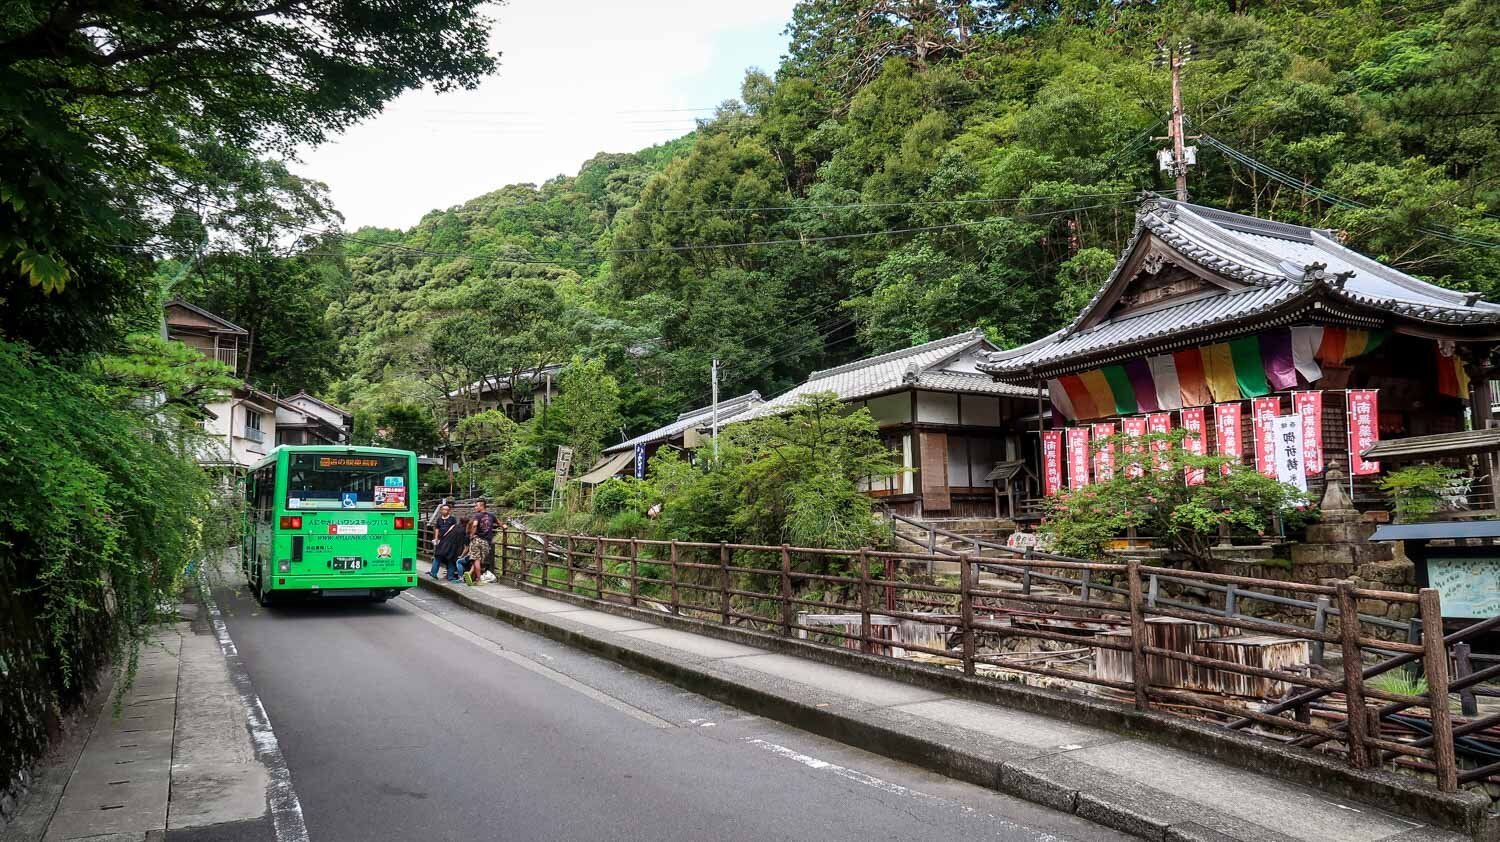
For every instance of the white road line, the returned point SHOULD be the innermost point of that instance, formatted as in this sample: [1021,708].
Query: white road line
[286,809]
[490,646]
[892,788]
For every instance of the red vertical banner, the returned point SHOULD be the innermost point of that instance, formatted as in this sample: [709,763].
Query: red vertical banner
[1051,461]
[1135,427]
[1193,421]
[1364,429]
[1160,423]
[1104,454]
[1228,430]
[1262,411]
[1078,457]
[1309,407]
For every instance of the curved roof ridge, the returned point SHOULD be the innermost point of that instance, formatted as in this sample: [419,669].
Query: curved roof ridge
[1397,277]
[971,335]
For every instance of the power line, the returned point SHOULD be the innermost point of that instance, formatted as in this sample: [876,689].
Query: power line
[922,203]
[1326,196]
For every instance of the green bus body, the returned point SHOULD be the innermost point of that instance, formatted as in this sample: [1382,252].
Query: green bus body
[331,521]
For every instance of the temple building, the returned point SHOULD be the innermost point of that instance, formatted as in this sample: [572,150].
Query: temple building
[1220,322]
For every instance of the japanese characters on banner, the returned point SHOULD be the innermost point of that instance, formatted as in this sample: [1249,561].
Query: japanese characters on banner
[1051,461]
[1309,407]
[1104,455]
[1135,427]
[1078,457]
[1288,448]
[1193,421]
[1160,422]
[1262,410]
[1286,437]
[1229,433]
[1364,429]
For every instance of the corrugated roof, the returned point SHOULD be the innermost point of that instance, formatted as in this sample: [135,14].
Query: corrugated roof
[687,420]
[939,365]
[1277,261]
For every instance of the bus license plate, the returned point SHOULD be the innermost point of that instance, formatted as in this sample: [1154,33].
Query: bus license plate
[348,563]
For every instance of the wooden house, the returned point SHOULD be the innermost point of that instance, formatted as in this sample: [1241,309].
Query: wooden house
[950,423]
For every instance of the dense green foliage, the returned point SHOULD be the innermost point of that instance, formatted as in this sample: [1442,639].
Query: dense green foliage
[792,479]
[103,507]
[1156,502]
[120,120]
[912,170]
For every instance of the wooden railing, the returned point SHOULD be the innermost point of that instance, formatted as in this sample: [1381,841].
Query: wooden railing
[1103,626]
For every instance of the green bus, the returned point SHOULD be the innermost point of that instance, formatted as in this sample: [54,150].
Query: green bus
[330,521]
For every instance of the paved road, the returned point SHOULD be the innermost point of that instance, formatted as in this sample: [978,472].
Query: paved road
[419,720]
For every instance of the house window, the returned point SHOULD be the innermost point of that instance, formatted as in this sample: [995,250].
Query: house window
[253,430]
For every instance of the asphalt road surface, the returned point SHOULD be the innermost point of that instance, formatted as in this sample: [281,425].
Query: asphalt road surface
[419,720]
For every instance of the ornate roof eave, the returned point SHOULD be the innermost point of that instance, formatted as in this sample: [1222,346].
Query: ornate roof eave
[1321,299]
[1157,218]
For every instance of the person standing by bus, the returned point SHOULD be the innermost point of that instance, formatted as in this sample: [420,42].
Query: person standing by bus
[447,543]
[481,540]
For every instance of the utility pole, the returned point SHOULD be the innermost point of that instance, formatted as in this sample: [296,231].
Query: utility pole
[714,378]
[1181,156]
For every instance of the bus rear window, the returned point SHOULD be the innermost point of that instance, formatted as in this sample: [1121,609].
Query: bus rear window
[347,481]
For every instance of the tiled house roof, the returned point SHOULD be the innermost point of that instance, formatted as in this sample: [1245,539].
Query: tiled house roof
[688,420]
[944,365]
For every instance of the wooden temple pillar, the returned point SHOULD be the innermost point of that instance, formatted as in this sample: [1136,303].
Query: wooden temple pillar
[1482,412]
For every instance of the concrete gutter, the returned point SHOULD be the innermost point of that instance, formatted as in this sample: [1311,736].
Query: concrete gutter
[997,764]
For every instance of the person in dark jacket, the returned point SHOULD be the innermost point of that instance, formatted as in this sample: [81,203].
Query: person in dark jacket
[447,543]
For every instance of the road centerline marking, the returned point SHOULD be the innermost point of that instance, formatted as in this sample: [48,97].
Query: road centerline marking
[426,614]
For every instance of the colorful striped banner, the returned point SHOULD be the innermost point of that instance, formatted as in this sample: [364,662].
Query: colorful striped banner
[1249,367]
[1218,369]
[1122,389]
[1191,378]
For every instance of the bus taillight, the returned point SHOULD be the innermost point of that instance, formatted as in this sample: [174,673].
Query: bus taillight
[406,523]
[291,521]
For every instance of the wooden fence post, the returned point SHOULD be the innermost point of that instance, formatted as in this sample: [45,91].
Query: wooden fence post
[546,562]
[504,547]
[1354,681]
[724,583]
[788,610]
[1320,624]
[1140,672]
[672,570]
[599,567]
[1435,661]
[1462,666]
[635,586]
[568,564]
[866,644]
[966,610]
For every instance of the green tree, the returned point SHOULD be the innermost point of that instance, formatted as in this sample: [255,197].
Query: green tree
[586,409]
[114,115]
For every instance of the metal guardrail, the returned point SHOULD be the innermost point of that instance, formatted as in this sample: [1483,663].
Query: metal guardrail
[757,587]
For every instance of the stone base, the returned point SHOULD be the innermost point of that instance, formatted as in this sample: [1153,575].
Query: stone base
[1346,555]
[1341,532]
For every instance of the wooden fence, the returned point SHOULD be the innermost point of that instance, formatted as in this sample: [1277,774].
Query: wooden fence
[772,589]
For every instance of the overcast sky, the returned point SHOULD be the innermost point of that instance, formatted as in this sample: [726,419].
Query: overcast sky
[576,78]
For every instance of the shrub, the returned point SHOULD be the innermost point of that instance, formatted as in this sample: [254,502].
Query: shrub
[1420,491]
[1159,502]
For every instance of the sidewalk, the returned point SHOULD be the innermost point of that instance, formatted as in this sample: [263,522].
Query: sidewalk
[1114,779]
[158,769]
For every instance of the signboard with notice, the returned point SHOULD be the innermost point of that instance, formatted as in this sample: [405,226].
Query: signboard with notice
[564,467]
[1469,586]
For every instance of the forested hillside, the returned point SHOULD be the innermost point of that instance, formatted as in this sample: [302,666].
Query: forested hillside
[915,169]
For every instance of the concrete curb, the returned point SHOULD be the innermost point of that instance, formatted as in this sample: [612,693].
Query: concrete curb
[1463,812]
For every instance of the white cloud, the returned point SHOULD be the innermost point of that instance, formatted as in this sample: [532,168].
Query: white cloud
[575,79]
